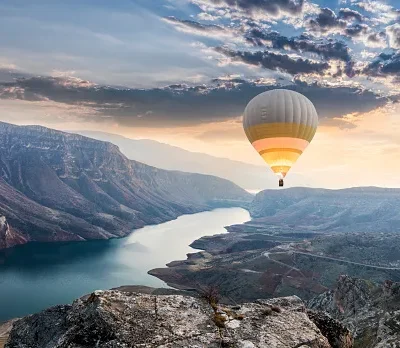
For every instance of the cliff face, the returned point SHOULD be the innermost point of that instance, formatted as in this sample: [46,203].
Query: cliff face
[123,319]
[369,310]
[57,186]
[8,236]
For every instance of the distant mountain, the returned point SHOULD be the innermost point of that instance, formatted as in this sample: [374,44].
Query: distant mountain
[58,186]
[363,209]
[169,157]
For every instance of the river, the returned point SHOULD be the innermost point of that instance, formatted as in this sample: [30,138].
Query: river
[38,275]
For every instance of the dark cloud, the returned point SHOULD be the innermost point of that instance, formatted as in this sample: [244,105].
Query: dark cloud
[328,49]
[275,61]
[272,7]
[356,30]
[385,64]
[179,104]
[377,39]
[349,14]
[326,21]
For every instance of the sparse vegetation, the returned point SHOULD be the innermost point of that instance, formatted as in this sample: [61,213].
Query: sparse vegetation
[211,295]
[271,310]
[219,320]
[276,309]
[267,311]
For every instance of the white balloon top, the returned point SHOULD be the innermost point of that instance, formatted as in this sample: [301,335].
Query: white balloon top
[280,106]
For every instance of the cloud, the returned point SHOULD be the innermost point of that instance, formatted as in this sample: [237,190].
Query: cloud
[207,17]
[326,21]
[328,49]
[393,32]
[178,105]
[384,65]
[196,28]
[349,14]
[376,40]
[275,61]
[383,12]
[274,8]
[356,30]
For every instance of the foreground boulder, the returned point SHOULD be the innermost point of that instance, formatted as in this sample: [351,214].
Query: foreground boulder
[108,319]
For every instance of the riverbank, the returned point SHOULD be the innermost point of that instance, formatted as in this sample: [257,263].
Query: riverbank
[253,261]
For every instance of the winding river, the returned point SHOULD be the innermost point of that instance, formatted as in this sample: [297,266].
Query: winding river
[38,275]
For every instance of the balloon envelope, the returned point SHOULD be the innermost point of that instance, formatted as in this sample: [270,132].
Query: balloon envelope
[280,124]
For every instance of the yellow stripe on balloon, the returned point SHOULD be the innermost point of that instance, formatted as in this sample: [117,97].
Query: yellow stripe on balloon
[280,142]
[262,152]
[280,160]
[275,130]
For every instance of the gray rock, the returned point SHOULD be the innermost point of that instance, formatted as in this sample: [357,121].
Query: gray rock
[371,311]
[110,319]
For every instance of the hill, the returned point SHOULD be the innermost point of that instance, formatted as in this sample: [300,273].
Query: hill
[361,209]
[57,186]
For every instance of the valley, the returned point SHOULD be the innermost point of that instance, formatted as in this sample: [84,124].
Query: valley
[298,242]
[60,187]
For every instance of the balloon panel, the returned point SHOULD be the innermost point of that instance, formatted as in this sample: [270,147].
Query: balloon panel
[274,130]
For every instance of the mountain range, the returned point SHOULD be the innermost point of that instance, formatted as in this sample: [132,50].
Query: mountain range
[154,153]
[359,209]
[56,186]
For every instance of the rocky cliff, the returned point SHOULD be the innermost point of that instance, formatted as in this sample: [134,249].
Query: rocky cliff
[8,236]
[57,186]
[371,311]
[126,319]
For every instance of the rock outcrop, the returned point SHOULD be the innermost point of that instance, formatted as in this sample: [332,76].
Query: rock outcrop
[371,311]
[56,186]
[337,334]
[5,329]
[8,236]
[125,319]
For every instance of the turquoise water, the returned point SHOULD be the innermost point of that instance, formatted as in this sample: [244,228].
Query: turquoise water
[38,275]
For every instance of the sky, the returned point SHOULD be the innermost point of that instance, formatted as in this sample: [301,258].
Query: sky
[182,72]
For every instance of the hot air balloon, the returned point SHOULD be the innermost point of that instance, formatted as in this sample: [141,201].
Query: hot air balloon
[280,124]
